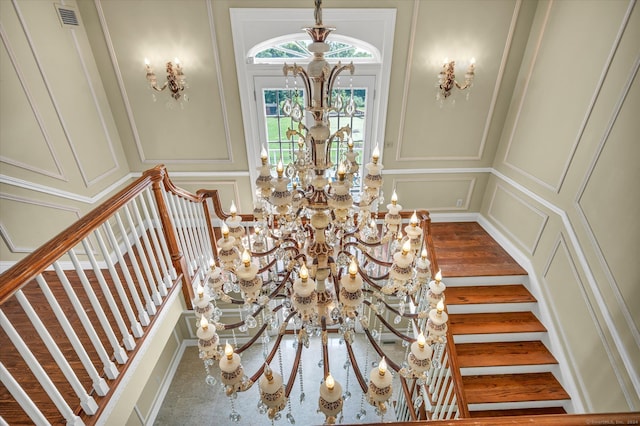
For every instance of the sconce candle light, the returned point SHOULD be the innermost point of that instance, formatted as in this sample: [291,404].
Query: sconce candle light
[176,80]
[447,78]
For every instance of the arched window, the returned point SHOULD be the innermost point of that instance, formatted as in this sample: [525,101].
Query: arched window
[294,47]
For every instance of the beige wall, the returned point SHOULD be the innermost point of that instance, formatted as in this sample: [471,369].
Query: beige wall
[563,191]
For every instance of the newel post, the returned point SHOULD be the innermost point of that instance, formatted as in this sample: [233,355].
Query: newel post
[177,258]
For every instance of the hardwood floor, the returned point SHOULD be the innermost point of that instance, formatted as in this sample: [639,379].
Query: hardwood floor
[464,249]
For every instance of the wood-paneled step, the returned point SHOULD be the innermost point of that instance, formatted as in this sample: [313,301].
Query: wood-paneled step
[497,325]
[490,294]
[518,412]
[499,354]
[505,388]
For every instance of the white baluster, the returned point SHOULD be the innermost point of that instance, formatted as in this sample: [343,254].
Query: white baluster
[155,296]
[39,372]
[191,237]
[143,315]
[21,397]
[151,306]
[151,255]
[447,399]
[203,252]
[161,237]
[178,224]
[110,368]
[192,227]
[87,402]
[136,328]
[99,384]
[118,351]
[202,220]
[160,256]
[127,338]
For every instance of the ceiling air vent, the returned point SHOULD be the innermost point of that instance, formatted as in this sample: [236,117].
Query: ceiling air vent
[68,16]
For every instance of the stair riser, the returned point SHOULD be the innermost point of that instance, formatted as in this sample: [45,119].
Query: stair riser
[509,369]
[488,308]
[489,280]
[518,405]
[502,337]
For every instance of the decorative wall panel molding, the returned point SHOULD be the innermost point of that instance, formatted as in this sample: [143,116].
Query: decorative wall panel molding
[556,172]
[18,243]
[521,211]
[452,188]
[56,171]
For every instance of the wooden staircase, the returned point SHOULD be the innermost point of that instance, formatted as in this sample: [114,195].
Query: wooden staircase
[507,369]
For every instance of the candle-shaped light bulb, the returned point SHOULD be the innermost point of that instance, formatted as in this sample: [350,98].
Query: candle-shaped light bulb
[177,61]
[350,143]
[300,142]
[376,154]
[472,62]
[225,230]
[228,351]
[330,382]
[372,224]
[382,367]
[204,324]
[424,253]
[421,340]
[263,155]
[414,219]
[246,258]
[146,62]
[394,198]
[406,247]
[212,264]
[200,291]
[438,277]
[280,168]
[304,273]
[233,210]
[341,172]
[445,61]
[353,269]
[268,373]
[440,306]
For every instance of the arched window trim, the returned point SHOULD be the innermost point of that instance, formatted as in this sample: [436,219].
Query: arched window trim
[276,41]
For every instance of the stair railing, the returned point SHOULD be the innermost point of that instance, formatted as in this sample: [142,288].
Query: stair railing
[104,278]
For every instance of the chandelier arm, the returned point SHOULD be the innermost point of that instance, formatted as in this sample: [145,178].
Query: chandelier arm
[276,345]
[392,309]
[255,337]
[267,266]
[395,367]
[395,331]
[241,323]
[282,284]
[356,369]
[325,348]
[160,89]
[294,370]
[252,340]
[296,69]
[371,282]
[335,71]
[358,243]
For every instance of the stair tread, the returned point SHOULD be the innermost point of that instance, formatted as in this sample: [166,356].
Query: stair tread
[496,388]
[518,412]
[495,322]
[515,293]
[503,353]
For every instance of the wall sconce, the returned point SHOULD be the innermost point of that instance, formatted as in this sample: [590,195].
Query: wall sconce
[176,81]
[447,78]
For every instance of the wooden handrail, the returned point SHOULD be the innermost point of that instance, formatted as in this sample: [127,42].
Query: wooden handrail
[35,263]
[463,408]
[631,418]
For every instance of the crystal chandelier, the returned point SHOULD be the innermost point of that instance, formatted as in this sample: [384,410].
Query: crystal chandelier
[317,263]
